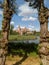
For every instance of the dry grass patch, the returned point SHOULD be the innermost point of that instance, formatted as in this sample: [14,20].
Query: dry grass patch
[17,60]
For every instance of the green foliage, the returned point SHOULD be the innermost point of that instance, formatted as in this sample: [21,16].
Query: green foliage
[41,63]
[0,33]
[37,34]
[15,36]
[11,29]
[40,46]
[21,37]
[47,46]
[12,5]
[14,33]
[23,49]
[35,3]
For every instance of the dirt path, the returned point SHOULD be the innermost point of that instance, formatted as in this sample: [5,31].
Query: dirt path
[16,60]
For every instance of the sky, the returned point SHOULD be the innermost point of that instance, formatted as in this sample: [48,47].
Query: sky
[26,17]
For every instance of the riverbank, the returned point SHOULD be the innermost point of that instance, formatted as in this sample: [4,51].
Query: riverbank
[22,49]
[22,54]
[17,60]
[21,37]
[17,37]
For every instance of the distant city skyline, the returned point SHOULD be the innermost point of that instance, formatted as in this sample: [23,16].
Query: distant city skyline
[22,27]
[26,17]
[23,30]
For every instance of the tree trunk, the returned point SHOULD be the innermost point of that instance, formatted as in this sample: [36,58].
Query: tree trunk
[43,46]
[43,31]
[7,14]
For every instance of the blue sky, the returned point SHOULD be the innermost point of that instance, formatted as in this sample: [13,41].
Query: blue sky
[27,17]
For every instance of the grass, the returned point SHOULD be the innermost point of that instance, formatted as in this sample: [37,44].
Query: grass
[17,60]
[23,49]
[27,51]
[0,36]
[23,53]
[19,37]
[34,54]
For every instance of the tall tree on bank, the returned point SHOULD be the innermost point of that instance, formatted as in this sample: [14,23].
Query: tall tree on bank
[43,19]
[9,8]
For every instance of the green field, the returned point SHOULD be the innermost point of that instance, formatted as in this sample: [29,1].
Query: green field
[14,37]
[23,37]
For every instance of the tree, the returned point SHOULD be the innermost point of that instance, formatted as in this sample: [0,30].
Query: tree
[9,9]
[43,19]
[11,28]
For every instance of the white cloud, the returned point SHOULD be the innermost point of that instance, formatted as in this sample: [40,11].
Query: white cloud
[22,26]
[31,26]
[26,10]
[34,29]
[32,18]
[37,29]
[29,19]
[25,18]
[1,12]
[12,22]
[31,29]
[17,26]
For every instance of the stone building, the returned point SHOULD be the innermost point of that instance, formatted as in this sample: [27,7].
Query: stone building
[23,30]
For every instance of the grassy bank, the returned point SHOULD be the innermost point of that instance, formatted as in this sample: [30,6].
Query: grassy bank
[23,49]
[15,37]
[23,37]
[23,54]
